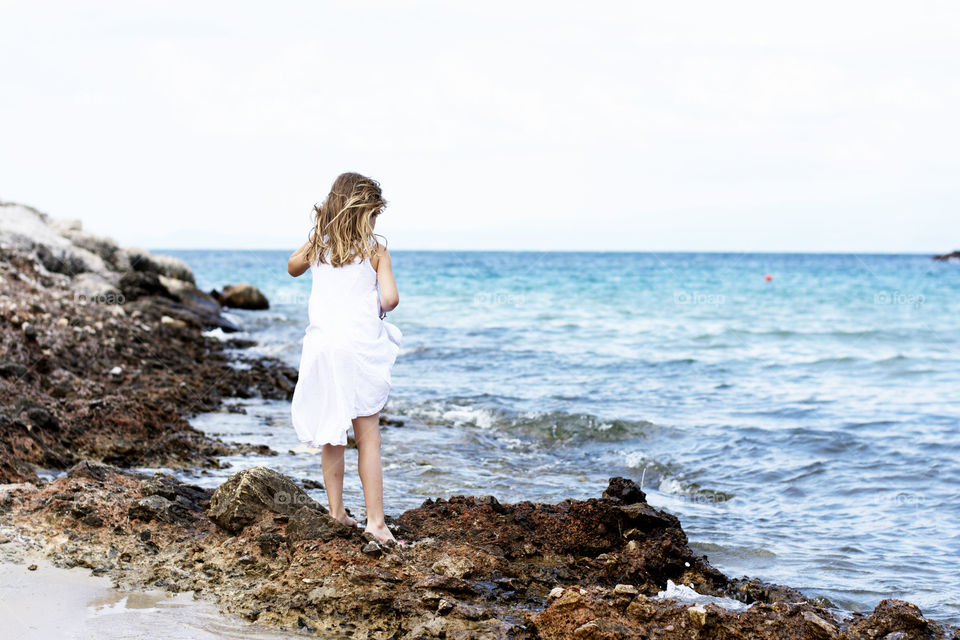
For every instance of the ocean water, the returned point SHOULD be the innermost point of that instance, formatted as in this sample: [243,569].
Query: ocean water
[804,428]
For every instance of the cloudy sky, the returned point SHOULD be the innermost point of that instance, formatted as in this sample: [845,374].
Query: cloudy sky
[806,126]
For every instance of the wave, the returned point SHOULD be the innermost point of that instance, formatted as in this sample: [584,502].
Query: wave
[556,427]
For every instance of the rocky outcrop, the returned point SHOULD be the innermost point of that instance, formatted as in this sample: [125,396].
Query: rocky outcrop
[241,296]
[244,497]
[97,270]
[103,361]
[473,567]
[954,255]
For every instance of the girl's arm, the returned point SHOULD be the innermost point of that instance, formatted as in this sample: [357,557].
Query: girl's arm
[297,264]
[389,297]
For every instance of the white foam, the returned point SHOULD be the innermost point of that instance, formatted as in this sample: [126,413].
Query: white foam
[683,593]
[636,460]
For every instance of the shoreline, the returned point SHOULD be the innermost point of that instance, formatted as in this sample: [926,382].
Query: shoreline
[107,359]
[264,550]
[103,364]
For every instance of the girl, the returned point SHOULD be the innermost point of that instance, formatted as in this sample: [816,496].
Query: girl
[348,348]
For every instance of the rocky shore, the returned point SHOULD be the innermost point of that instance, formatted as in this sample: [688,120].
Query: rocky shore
[103,354]
[473,568]
[103,358]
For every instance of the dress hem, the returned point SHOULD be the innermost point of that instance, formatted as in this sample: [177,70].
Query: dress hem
[317,444]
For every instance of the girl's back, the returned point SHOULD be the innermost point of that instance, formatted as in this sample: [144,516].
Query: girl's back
[344,300]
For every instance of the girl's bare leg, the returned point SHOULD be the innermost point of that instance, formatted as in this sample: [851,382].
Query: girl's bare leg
[331,461]
[366,432]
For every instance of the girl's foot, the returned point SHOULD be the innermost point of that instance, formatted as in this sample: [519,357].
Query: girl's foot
[383,534]
[347,520]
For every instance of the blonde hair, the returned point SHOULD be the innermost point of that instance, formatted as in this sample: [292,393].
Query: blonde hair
[341,223]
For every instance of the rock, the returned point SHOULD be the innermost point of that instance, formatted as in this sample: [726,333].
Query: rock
[372,549]
[190,496]
[245,495]
[588,630]
[159,508]
[456,566]
[625,590]
[891,616]
[116,371]
[10,369]
[95,288]
[205,308]
[99,471]
[820,627]
[311,524]
[38,415]
[625,490]
[27,230]
[173,322]
[144,261]
[137,284]
[948,256]
[102,246]
[444,583]
[569,598]
[242,296]
[444,606]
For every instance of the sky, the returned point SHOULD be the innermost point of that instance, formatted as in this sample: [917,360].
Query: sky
[627,126]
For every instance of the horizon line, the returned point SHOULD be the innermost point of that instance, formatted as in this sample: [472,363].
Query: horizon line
[686,251]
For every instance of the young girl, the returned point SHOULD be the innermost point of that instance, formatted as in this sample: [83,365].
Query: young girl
[348,349]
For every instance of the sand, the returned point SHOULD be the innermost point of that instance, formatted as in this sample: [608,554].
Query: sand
[63,604]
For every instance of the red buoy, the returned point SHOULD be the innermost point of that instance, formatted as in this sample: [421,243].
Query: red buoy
[768,277]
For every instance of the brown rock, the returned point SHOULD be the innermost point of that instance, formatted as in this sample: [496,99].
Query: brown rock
[242,296]
[243,498]
[311,524]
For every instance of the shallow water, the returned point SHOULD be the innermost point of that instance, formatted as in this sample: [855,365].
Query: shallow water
[805,429]
[87,607]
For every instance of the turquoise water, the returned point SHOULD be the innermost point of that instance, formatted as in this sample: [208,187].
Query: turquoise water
[805,429]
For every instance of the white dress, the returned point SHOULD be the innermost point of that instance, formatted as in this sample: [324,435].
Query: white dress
[347,354]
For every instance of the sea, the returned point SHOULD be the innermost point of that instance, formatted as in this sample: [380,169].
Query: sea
[800,413]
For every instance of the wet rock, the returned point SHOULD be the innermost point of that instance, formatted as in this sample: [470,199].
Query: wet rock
[310,523]
[893,616]
[244,497]
[755,590]
[625,490]
[241,296]
[818,626]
